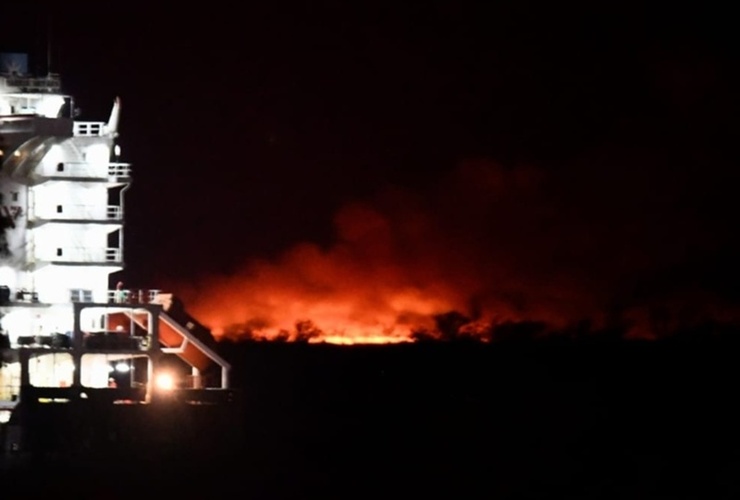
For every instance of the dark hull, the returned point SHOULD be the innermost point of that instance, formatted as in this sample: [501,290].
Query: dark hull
[85,430]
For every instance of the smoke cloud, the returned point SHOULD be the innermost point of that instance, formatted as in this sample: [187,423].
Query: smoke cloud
[486,251]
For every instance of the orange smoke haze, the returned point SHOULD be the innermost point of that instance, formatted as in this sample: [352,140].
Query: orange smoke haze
[486,246]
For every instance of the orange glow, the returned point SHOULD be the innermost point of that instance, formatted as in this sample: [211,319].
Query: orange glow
[165,382]
[486,248]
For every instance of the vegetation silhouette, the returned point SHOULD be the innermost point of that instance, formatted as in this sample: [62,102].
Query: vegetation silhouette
[456,327]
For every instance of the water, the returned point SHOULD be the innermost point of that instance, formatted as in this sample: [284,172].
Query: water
[454,421]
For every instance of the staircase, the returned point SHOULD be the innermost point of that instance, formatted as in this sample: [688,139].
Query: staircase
[178,333]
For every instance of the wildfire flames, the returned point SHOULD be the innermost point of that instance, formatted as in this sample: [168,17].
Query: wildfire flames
[485,253]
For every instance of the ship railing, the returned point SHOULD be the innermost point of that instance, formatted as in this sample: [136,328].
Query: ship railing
[79,211]
[114,212]
[47,84]
[132,296]
[55,340]
[113,255]
[122,296]
[84,254]
[89,129]
[20,295]
[84,169]
[119,169]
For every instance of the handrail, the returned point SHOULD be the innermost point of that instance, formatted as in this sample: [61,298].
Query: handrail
[117,169]
[77,211]
[186,334]
[85,169]
[132,296]
[89,129]
[51,83]
[84,254]
[115,296]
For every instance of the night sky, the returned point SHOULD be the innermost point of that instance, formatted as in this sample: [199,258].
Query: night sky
[538,156]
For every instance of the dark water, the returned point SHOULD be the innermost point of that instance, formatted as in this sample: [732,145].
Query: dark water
[454,421]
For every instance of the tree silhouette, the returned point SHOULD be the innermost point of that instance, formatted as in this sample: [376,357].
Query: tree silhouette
[306,330]
[449,325]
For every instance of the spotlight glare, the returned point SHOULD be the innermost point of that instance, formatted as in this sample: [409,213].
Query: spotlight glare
[165,382]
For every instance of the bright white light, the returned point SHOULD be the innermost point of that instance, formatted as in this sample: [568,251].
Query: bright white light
[7,276]
[5,108]
[97,154]
[4,416]
[165,382]
[122,367]
[50,106]
[54,156]
[117,150]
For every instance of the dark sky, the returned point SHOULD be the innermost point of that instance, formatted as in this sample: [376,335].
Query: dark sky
[249,128]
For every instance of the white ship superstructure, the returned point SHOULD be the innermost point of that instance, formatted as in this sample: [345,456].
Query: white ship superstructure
[64,333]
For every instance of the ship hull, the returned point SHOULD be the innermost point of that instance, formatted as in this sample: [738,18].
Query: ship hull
[64,429]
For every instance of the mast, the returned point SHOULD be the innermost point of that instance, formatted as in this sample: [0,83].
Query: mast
[48,42]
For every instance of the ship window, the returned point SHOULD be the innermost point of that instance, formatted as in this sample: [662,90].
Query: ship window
[51,370]
[59,252]
[10,375]
[15,195]
[60,167]
[80,295]
[59,209]
[101,371]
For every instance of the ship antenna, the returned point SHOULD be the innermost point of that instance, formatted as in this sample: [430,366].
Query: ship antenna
[48,43]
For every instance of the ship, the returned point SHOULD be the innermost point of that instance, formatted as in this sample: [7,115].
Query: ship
[86,365]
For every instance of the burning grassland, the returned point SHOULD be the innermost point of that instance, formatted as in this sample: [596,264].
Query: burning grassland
[486,253]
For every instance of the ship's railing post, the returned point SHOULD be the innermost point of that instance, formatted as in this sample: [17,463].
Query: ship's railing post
[77,345]
[195,373]
[25,375]
[224,377]
[149,378]
[155,352]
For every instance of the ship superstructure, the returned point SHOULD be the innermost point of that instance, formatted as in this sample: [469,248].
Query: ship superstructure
[65,334]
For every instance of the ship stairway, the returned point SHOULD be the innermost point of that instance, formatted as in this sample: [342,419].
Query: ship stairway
[175,339]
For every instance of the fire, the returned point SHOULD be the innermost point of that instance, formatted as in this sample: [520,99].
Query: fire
[486,252]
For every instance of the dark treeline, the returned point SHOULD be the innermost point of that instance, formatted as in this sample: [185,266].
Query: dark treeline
[454,326]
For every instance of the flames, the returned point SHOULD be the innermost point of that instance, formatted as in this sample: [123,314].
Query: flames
[485,253]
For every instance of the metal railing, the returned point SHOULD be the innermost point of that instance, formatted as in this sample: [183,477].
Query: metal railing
[84,254]
[51,83]
[132,296]
[119,169]
[114,212]
[89,129]
[120,296]
[83,169]
[77,212]
[113,255]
